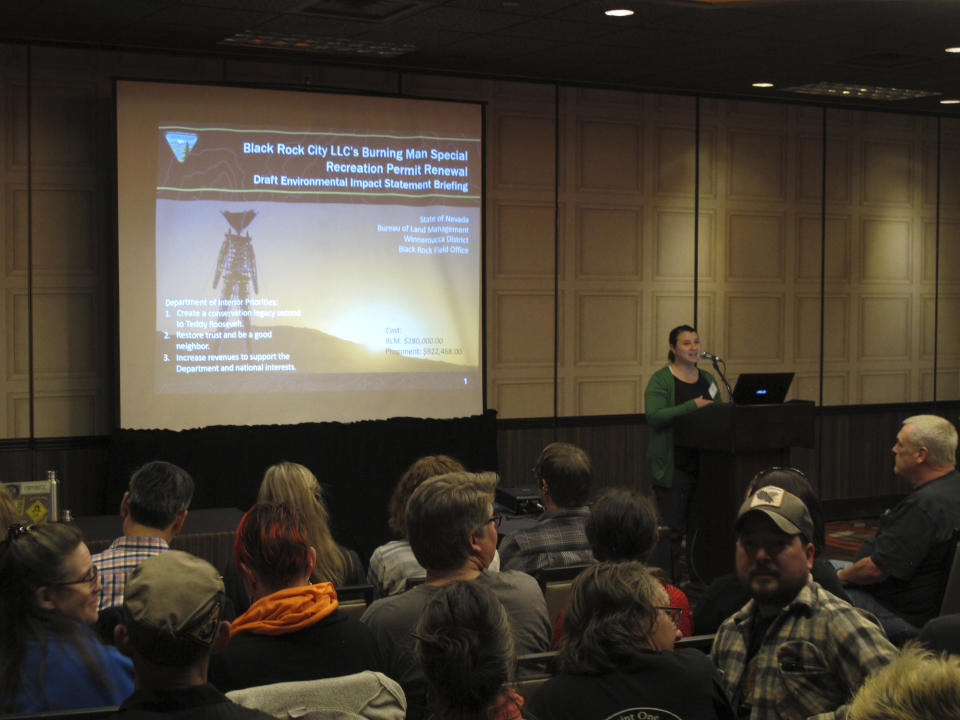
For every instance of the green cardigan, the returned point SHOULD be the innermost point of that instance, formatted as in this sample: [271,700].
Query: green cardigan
[661,411]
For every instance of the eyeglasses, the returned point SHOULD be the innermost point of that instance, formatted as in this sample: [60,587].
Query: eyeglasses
[496,520]
[90,578]
[675,613]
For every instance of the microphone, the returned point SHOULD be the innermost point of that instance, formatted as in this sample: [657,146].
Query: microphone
[710,356]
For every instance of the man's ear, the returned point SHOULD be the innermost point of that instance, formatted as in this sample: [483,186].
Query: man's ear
[474,540]
[178,523]
[223,637]
[43,596]
[809,551]
[125,505]
[121,638]
[923,452]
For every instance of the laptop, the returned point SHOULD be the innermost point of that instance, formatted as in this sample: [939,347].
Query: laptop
[761,388]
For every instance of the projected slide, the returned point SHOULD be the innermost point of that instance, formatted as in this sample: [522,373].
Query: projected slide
[320,263]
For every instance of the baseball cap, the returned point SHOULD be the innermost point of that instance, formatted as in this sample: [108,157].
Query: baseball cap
[172,607]
[785,509]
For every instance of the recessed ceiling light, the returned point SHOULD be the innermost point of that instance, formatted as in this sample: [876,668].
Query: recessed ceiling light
[952,50]
[618,12]
[950,101]
[762,84]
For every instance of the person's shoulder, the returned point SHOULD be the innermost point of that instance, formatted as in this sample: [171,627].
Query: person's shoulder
[689,660]
[661,376]
[510,579]
[387,608]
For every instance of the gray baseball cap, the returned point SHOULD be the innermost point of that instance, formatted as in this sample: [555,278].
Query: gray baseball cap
[785,509]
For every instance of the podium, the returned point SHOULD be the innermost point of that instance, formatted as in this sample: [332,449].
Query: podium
[735,442]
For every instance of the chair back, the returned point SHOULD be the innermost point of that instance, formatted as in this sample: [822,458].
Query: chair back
[354,599]
[533,670]
[951,591]
[556,583]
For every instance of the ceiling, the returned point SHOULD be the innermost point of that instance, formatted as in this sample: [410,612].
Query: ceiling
[701,46]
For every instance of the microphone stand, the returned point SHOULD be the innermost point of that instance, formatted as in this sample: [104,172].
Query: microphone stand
[716,366]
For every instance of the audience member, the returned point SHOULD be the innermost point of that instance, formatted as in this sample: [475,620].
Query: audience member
[727,594]
[617,659]
[918,685]
[453,533]
[152,511]
[558,540]
[794,650]
[391,565]
[49,657]
[466,651]
[172,620]
[293,630]
[292,483]
[900,574]
[623,526]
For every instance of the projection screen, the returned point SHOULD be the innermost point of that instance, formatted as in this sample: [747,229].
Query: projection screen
[290,256]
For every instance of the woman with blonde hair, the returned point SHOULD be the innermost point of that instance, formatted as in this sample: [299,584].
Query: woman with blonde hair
[294,484]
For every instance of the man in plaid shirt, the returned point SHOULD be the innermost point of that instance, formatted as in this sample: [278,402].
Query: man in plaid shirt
[559,538]
[795,650]
[153,511]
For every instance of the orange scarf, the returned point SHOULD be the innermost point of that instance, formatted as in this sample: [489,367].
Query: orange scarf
[287,610]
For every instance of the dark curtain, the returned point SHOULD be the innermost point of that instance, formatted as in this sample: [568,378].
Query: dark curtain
[357,463]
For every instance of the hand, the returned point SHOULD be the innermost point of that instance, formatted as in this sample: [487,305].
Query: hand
[701,402]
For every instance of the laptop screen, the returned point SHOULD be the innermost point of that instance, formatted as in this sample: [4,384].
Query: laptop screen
[761,388]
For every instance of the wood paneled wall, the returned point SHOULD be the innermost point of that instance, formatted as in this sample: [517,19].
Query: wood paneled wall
[591,256]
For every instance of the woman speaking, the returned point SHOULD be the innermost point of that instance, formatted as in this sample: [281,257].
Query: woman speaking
[675,390]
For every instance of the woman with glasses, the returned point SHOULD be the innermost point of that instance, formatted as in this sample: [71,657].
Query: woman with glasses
[617,658]
[49,657]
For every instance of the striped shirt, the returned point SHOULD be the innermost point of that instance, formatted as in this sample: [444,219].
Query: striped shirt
[117,562]
[814,656]
[392,564]
[390,567]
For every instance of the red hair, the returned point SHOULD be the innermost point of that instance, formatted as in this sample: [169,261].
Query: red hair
[271,540]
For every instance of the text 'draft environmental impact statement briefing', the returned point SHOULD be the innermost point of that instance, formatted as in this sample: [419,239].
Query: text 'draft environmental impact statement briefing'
[339,261]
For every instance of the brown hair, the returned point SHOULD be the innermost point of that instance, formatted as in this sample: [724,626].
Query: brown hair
[442,513]
[423,469]
[612,609]
[465,648]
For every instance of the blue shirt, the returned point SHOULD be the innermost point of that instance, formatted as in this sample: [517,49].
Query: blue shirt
[67,682]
